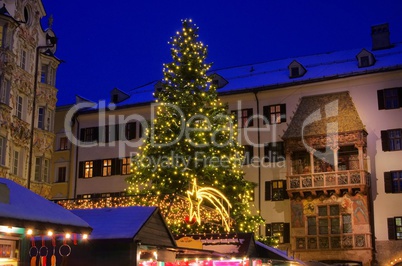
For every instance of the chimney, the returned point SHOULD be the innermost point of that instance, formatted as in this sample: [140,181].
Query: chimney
[380,37]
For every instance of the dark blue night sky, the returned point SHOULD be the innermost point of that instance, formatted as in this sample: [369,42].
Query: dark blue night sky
[123,44]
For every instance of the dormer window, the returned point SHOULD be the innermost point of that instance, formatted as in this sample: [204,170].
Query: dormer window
[365,58]
[118,96]
[218,80]
[158,86]
[296,70]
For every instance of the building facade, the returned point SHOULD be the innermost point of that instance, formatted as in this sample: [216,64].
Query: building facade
[27,95]
[322,137]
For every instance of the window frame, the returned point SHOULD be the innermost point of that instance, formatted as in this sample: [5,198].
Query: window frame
[63,143]
[382,97]
[20,106]
[125,166]
[107,165]
[16,162]
[268,112]
[61,174]
[245,119]
[391,142]
[274,151]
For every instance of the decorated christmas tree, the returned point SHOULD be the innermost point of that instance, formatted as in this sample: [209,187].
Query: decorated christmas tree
[191,162]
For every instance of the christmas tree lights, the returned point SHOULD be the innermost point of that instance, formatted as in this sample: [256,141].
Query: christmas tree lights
[191,137]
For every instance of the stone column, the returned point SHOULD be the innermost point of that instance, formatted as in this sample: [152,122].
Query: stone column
[335,151]
[360,147]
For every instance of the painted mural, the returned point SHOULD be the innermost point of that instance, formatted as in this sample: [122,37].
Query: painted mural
[356,205]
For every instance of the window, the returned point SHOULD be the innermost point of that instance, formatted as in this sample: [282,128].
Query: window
[393,182]
[389,98]
[125,165]
[294,72]
[276,190]
[248,154]
[279,231]
[89,169]
[296,69]
[19,107]
[395,228]
[329,221]
[5,91]
[2,150]
[274,152]
[46,170]
[107,167]
[63,143]
[47,75]
[23,59]
[41,118]
[275,114]
[45,118]
[61,174]
[16,159]
[364,61]
[391,139]
[130,130]
[43,73]
[244,117]
[89,134]
[38,164]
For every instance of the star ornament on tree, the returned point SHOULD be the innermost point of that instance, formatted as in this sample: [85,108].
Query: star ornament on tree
[213,196]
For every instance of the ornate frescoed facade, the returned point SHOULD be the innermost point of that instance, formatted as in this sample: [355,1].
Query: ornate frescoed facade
[27,94]
[328,181]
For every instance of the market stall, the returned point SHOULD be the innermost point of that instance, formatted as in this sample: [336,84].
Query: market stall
[34,229]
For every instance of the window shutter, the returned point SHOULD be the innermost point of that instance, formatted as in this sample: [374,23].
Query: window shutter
[267,190]
[400,96]
[380,98]
[391,228]
[265,112]
[82,134]
[283,113]
[286,233]
[81,170]
[268,230]
[388,182]
[250,115]
[384,140]
[285,193]
[97,171]
[96,134]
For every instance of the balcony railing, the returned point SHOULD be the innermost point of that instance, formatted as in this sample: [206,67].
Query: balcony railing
[326,181]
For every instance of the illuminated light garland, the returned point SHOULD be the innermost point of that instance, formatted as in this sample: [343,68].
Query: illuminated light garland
[214,196]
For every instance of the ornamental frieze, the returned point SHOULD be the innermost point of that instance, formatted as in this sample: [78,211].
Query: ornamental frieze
[20,132]
[47,95]
[24,34]
[3,171]
[322,141]
[5,116]
[43,141]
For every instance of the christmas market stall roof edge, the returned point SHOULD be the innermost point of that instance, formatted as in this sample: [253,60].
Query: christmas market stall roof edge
[20,206]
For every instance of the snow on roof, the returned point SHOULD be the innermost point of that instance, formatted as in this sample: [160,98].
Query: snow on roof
[116,223]
[27,207]
[275,74]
